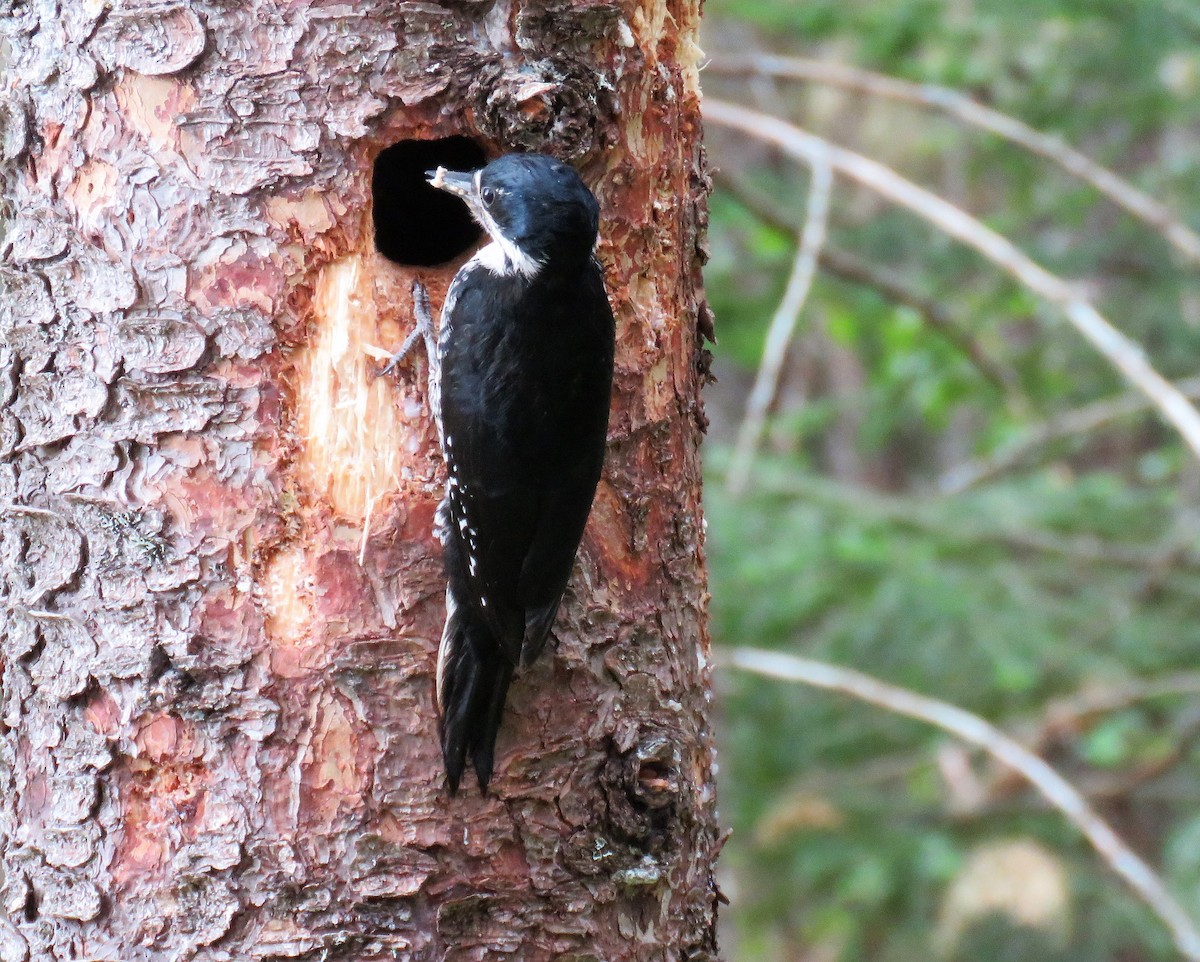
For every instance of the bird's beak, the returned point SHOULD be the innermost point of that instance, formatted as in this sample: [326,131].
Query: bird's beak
[453,182]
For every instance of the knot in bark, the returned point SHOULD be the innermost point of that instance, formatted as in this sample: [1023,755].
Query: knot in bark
[555,106]
[644,789]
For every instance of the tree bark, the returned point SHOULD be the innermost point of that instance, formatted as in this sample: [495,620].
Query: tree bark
[221,592]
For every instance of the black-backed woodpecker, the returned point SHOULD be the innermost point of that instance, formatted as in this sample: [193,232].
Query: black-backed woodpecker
[520,380]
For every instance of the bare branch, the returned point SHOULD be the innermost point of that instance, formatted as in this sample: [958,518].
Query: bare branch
[1136,873]
[1057,718]
[1117,189]
[915,514]
[850,267]
[1124,354]
[1082,420]
[1071,711]
[808,251]
[889,285]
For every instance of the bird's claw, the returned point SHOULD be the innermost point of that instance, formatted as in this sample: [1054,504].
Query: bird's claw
[395,360]
[423,330]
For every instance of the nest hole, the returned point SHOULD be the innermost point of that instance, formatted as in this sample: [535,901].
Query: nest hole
[415,224]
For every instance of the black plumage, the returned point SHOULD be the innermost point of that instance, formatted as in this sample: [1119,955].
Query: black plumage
[520,389]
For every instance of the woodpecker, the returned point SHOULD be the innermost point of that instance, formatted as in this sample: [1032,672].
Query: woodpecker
[520,379]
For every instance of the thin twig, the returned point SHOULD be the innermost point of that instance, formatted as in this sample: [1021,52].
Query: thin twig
[1116,188]
[1083,420]
[890,286]
[1124,353]
[808,252]
[850,267]
[1057,717]
[1137,874]
[1071,711]
[915,514]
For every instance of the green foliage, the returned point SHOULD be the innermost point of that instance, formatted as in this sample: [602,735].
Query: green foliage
[1075,570]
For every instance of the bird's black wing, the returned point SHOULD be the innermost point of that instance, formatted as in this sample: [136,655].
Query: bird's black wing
[525,377]
[488,508]
[570,486]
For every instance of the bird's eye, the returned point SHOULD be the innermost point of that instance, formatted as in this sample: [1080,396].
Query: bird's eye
[488,196]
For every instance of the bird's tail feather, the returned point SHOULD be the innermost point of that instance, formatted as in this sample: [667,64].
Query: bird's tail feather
[472,684]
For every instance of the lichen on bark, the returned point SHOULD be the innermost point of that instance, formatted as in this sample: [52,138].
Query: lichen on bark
[219,592]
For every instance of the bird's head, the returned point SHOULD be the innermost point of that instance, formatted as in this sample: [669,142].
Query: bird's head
[536,208]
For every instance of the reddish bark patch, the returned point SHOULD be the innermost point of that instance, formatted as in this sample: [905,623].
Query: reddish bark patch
[163,798]
[236,276]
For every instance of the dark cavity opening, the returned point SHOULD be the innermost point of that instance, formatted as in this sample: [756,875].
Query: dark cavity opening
[414,223]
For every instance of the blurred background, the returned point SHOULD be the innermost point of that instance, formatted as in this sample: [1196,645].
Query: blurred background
[953,490]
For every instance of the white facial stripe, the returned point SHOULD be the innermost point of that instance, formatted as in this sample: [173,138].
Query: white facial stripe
[503,257]
[508,259]
[521,262]
[492,259]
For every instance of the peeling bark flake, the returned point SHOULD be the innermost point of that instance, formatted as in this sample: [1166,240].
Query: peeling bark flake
[153,42]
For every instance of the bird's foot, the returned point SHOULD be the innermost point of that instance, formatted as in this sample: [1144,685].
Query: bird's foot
[423,330]
[395,360]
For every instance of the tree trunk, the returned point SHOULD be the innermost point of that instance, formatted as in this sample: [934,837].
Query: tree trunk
[221,592]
